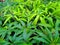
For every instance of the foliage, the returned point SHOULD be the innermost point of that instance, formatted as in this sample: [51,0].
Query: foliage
[30,22]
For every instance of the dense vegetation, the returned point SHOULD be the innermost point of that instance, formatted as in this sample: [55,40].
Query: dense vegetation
[30,22]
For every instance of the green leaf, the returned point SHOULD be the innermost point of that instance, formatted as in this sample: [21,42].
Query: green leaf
[9,17]
[36,20]
[31,17]
[40,39]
